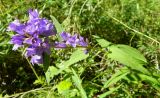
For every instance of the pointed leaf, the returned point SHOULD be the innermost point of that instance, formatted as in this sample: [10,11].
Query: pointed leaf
[46,61]
[116,77]
[78,82]
[128,56]
[102,42]
[76,56]
[109,92]
[58,26]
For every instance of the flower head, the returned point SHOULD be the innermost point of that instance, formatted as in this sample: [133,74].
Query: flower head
[33,34]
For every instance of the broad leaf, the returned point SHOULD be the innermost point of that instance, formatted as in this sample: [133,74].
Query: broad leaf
[125,54]
[128,56]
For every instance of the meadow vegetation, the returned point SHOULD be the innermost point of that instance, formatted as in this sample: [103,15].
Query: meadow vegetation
[123,58]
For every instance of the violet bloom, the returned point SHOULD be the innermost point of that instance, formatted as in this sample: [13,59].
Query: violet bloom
[82,42]
[71,40]
[33,34]
[17,27]
[65,36]
[33,14]
[36,55]
[17,40]
[36,59]
[60,45]
[40,25]
[35,41]
[38,50]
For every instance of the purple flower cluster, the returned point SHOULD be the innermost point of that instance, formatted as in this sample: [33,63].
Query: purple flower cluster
[33,34]
[71,40]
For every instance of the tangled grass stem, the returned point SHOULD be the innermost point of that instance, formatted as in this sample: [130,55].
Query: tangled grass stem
[137,32]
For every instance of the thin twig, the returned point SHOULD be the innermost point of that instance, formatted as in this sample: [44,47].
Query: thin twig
[140,33]
[32,68]
[18,94]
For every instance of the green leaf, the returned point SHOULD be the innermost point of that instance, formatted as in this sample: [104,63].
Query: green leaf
[148,78]
[102,42]
[142,77]
[41,81]
[128,56]
[116,77]
[58,26]
[109,92]
[125,54]
[63,86]
[76,56]
[78,82]
[50,73]
[46,61]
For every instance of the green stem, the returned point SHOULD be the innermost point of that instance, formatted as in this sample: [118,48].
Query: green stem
[34,90]
[140,33]
[72,47]
[32,68]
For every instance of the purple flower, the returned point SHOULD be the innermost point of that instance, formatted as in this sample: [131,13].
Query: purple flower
[65,36]
[36,59]
[33,41]
[81,42]
[33,14]
[31,51]
[16,26]
[46,46]
[39,50]
[17,40]
[36,51]
[59,45]
[33,34]
[31,29]
[71,40]
[41,26]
